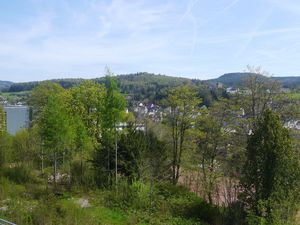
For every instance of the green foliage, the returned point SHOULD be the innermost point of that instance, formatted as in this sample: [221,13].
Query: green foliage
[114,104]
[2,121]
[271,177]
[75,131]
[155,161]
[35,204]
[139,86]
[168,204]
[5,148]
[25,147]
[131,147]
[216,132]
[40,96]
[55,125]
[15,97]
[82,173]
[113,111]
[28,86]
[146,86]
[86,105]
[56,130]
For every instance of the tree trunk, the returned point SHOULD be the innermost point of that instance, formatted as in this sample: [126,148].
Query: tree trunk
[81,167]
[54,168]
[42,159]
[116,153]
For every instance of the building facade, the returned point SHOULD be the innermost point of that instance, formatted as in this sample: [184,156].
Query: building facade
[16,118]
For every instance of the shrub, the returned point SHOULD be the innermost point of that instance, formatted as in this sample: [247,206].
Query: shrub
[18,175]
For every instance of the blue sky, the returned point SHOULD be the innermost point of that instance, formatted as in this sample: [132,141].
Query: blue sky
[42,39]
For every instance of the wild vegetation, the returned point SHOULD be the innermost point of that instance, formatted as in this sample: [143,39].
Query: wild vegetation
[85,160]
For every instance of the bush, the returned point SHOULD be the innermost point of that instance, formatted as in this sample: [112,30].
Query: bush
[168,190]
[19,175]
[185,204]
[234,214]
[123,197]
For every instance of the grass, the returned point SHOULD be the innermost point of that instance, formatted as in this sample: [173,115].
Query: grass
[294,95]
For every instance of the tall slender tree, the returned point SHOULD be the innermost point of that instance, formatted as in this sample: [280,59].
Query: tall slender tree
[183,104]
[3,136]
[113,113]
[113,110]
[216,130]
[85,106]
[2,121]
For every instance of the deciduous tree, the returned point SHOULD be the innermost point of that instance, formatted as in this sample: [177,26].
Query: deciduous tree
[56,129]
[183,104]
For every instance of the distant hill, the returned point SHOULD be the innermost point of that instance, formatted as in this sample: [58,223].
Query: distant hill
[289,82]
[151,88]
[148,85]
[5,85]
[231,79]
[237,79]
[139,85]
[28,86]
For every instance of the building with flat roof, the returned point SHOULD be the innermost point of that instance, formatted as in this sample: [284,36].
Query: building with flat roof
[17,118]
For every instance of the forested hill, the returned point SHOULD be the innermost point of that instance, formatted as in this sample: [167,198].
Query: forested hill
[231,79]
[140,85]
[28,86]
[237,79]
[148,84]
[5,85]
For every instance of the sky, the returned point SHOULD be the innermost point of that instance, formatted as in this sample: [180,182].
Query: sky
[42,39]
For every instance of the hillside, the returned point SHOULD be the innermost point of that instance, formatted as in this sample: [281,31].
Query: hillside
[146,85]
[5,85]
[139,85]
[237,79]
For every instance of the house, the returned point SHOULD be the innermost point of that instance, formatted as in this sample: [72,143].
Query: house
[219,85]
[232,90]
[150,111]
[292,124]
